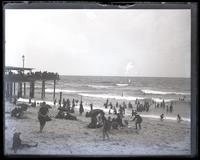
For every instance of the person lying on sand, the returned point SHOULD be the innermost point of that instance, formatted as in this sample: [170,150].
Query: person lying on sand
[43,115]
[17,142]
[138,120]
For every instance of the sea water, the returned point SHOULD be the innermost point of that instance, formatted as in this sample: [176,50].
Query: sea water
[97,89]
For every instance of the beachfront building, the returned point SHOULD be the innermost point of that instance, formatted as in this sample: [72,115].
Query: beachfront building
[20,76]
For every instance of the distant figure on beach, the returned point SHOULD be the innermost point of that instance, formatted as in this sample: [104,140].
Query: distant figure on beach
[122,94]
[130,105]
[17,142]
[167,108]
[54,102]
[91,106]
[138,120]
[73,106]
[106,104]
[106,127]
[179,119]
[29,100]
[117,105]
[43,115]
[162,117]
[171,108]
[81,109]
[133,112]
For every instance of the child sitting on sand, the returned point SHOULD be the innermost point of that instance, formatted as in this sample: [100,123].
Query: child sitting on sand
[17,142]
[179,119]
[162,117]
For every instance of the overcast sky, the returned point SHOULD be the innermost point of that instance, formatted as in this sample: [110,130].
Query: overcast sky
[152,43]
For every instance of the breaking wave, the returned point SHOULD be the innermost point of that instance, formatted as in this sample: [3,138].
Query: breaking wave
[163,92]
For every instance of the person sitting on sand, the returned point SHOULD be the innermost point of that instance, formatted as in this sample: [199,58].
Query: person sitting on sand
[162,117]
[43,115]
[17,142]
[138,120]
[179,119]
[106,126]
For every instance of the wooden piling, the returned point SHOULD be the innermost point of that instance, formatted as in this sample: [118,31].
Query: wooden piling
[32,89]
[11,89]
[14,89]
[54,89]
[24,89]
[43,90]
[20,89]
[60,101]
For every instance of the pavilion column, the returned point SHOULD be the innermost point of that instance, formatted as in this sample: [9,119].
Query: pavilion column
[11,89]
[24,89]
[14,88]
[43,90]
[60,101]
[54,89]
[19,89]
[32,89]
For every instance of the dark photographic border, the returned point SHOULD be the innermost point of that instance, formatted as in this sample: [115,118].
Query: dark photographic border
[137,5]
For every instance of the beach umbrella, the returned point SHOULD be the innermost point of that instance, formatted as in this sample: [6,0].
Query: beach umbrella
[94,112]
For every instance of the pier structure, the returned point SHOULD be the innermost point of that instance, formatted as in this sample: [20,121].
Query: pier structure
[17,76]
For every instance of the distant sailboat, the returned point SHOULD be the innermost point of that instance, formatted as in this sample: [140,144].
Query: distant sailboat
[129,81]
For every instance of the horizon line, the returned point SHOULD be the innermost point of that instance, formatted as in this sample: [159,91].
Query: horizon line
[121,76]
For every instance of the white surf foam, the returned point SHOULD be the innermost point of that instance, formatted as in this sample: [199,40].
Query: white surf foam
[107,96]
[99,86]
[163,92]
[48,90]
[122,84]
[159,100]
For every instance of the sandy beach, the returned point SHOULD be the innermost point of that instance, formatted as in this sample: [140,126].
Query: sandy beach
[68,137]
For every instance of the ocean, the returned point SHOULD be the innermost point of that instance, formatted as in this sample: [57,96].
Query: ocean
[119,88]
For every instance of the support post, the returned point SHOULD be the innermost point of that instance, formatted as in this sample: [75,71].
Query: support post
[32,86]
[60,101]
[14,89]
[54,89]
[19,89]
[43,90]
[11,89]
[24,89]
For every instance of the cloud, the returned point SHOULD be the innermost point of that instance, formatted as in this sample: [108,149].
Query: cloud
[129,68]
